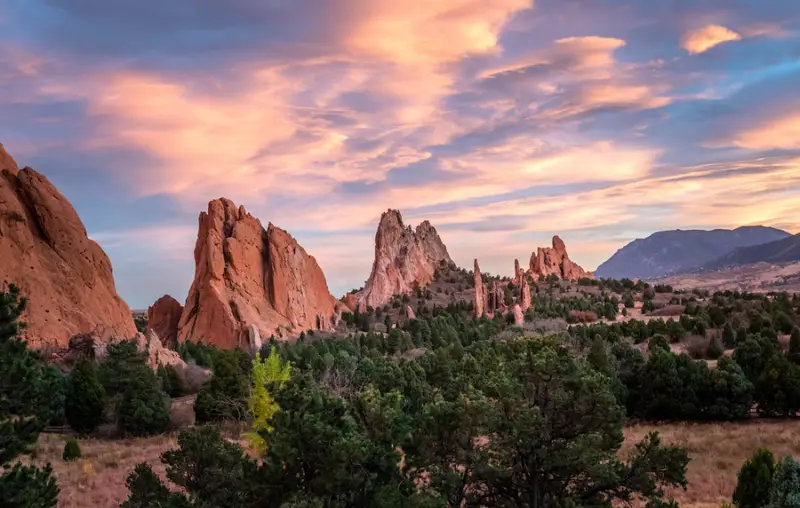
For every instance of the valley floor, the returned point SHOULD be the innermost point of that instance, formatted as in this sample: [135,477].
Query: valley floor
[717,450]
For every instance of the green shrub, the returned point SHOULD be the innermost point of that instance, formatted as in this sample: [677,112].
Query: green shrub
[715,348]
[755,481]
[794,346]
[171,381]
[72,451]
[144,408]
[86,398]
[224,397]
[785,491]
[120,367]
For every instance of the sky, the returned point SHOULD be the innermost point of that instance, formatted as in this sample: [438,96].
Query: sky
[503,122]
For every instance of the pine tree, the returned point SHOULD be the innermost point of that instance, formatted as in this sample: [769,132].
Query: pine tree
[86,398]
[144,408]
[23,413]
[728,336]
[755,481]
[794,346]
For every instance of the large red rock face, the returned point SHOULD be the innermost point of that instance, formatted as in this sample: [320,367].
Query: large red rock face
[163,318]
[404,259]
[246,275]
[45,251]
[555,261]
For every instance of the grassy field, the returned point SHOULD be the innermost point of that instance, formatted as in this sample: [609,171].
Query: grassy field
[717,451]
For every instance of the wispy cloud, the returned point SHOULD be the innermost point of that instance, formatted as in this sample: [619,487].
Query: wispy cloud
[503,122]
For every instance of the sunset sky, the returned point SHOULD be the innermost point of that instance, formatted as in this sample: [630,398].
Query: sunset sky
[503,122]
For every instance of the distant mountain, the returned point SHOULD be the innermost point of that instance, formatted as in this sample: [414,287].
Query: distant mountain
[667,252]
[779,251]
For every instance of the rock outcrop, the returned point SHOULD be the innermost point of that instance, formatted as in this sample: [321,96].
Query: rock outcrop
[163,317]
[519,318]
[46,252]
[246,275]
[410,312]
[555,261]
[480,292]
[404,259]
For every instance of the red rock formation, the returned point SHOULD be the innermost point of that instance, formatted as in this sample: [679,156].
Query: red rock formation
[480,292]
[45,251]
[410,312]
[519,318]
[524,293]
[404,259]
[163,317]
[555,261]
[246,275]
[350,301]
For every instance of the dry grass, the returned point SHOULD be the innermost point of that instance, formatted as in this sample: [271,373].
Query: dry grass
[717,451]
[98,478]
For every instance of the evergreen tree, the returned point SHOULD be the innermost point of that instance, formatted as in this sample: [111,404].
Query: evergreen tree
[728,336]
[23,413]
[794,346]
[120,367]
[755,481]
[785,492]
[224,397]
[144,408]
[86,398]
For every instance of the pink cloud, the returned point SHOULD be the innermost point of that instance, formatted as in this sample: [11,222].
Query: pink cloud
[705,38]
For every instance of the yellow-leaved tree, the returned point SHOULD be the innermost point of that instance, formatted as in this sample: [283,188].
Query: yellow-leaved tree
[267,374]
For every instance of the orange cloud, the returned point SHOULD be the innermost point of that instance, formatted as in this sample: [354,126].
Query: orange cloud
[783,132]
[705,38]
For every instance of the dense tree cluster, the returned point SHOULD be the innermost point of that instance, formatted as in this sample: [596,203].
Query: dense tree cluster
[521,422]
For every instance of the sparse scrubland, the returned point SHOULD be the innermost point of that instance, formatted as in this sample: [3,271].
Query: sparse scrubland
[610,392]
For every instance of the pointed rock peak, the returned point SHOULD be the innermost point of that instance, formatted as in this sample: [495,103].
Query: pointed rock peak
[247,276]
[558,244]
[477,268]
[7,162]
[404,259]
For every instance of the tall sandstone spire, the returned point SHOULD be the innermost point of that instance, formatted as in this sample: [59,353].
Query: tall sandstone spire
[404,259]
[45,250]
[246,276]
[480,292]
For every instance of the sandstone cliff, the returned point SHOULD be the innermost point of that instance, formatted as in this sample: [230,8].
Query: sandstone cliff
[45,251]
[555,261]
[481,296]
[404,259]
[163,318]
[246,275]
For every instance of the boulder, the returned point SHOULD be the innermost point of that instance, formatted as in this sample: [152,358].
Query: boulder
[47,253]
[404,259]
[247,275]
[163,318]
[555,261]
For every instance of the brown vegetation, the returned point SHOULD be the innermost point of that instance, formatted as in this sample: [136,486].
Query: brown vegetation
[718,450]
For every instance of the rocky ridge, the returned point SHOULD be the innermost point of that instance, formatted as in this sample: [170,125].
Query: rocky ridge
[46,252]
